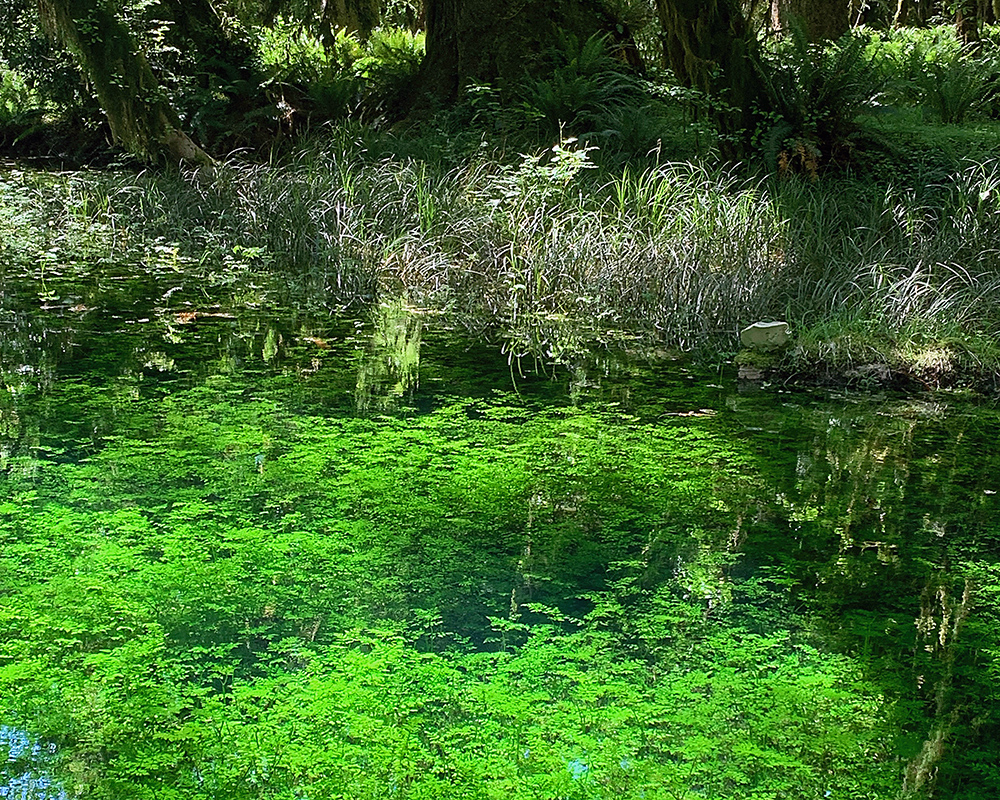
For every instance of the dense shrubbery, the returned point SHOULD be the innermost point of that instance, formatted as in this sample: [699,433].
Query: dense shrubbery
[366,79]
[820,101]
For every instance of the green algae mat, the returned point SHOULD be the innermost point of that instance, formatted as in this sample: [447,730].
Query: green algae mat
[254,550]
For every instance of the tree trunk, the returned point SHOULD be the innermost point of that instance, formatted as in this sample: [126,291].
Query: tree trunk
[822,20]
[498,41]
[709,47]
[916,13]
[141,119]
[967,22]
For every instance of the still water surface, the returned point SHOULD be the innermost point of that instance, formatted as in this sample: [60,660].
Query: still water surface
[199,497]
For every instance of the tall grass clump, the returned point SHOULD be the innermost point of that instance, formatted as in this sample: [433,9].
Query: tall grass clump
[896,277]
[682,253]
[693,251]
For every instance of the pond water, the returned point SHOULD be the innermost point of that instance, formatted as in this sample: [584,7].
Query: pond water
[24,772]
[254,547]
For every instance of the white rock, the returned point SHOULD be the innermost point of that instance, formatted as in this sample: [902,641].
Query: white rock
[766,335]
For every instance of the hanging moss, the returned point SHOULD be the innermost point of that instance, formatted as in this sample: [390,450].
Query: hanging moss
[710,48]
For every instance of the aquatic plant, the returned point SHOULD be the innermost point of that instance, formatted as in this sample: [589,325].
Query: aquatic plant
[243,554]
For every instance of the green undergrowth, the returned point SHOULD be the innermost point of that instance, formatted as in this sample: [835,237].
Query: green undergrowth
[678,253]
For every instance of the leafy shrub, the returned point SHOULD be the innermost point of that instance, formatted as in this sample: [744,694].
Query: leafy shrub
[634,131]
[290,54]
[388,68]
[956,85]
[306,77]
[816,96]
[16,98]
[584,86]
[331,82]
[930,67]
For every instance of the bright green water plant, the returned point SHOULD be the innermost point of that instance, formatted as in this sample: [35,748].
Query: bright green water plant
[229,600]
[211,592]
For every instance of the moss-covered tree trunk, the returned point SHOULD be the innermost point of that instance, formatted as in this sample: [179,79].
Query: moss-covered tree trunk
[822,20]
[710,47]
[498,41]
[140,117]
